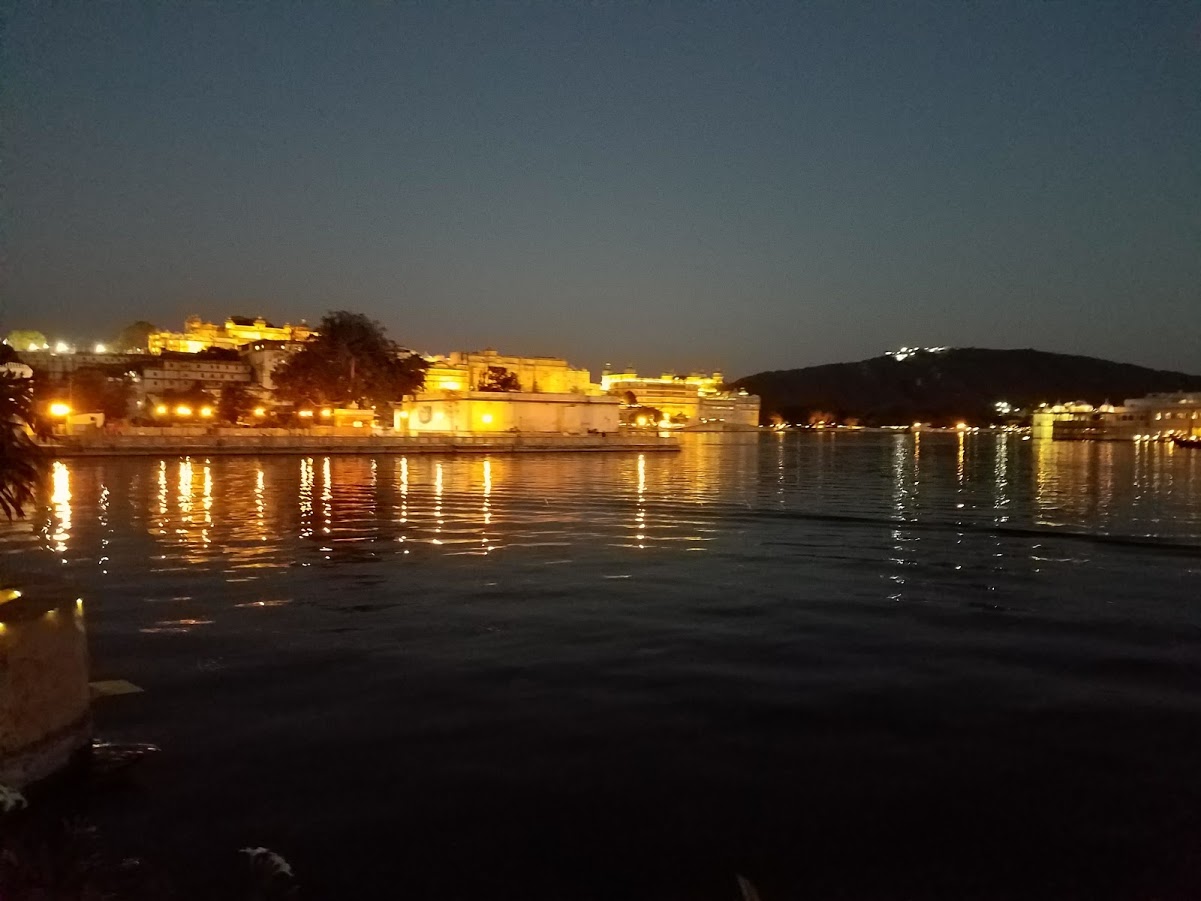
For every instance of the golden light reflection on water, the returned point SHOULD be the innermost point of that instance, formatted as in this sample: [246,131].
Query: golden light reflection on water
[438,502]
[61,499]
[327,496]
[486,510]
[207,504]
[246,515]
[260,501]
[960,456]
[305,497]
[640,510]
[184,491]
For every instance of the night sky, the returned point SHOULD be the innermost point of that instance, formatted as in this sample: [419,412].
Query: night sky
[684,185]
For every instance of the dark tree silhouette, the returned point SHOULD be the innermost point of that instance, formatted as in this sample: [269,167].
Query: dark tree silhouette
[134,337]
[21,464]
[235,402]
[497,378]
[350,361]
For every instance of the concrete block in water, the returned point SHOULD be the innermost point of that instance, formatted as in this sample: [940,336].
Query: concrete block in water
[45,720]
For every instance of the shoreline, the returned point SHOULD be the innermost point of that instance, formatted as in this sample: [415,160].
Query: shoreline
[325,444]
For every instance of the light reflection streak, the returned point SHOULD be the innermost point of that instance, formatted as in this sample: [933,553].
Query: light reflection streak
[438,502]
[959,458]
[1001,479]
[640,511]
[105,531]
[487,508]
[61,499]
[327,496]
[260,501]
[184,495]
[162,495]
[904,487]
[404,499]
[207,503]
[780,494]
[404,489]
[306,497]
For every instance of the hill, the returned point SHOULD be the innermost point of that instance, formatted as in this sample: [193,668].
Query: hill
[944,385]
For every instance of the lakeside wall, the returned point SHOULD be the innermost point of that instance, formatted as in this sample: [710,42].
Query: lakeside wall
[330,440]
[45,720]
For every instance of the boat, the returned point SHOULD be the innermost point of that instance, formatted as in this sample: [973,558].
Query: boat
[1194,443]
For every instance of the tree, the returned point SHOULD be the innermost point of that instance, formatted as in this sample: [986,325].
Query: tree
[94,389]
[135,337]
[21,465]
[234,403]
[26,339]
[497,378]
[351,361]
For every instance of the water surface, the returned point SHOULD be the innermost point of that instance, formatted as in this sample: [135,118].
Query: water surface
[844,665]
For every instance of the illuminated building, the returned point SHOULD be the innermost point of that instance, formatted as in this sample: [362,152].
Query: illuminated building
[469,370]
[554,397]
[482,412]
[179,372]
[1044,417]
[1150,418]
[694,401]
[264,357]
[55,366]
[232,335]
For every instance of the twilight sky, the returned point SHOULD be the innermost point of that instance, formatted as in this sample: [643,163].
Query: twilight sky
[675,185]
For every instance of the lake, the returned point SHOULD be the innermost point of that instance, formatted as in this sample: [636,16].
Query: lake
[843,665]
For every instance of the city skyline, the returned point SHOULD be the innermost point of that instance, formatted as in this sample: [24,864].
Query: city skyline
[728,187]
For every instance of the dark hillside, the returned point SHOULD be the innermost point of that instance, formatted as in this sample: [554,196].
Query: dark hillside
[958,383]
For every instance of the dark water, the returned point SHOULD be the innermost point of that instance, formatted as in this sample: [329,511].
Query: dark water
[845,666]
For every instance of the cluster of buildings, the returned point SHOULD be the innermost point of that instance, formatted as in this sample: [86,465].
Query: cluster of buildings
[464,392]
[547,394]
[1152,418]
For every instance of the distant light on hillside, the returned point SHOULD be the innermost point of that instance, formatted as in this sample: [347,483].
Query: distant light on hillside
[905,353]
